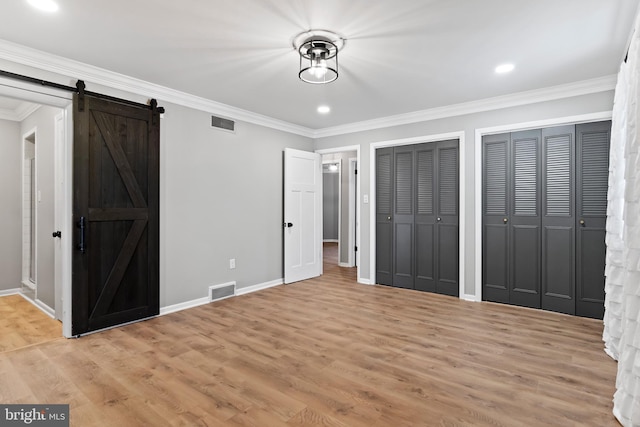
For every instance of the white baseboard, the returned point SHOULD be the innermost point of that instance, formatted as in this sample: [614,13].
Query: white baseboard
[205,300]
[183,305]
[8,292]
[330,241]
[40,306]
[259,287]
[344,264]
[365,281]
[469,297]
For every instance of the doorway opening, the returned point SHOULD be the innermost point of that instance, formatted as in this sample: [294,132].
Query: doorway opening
[340,206]
[29,216]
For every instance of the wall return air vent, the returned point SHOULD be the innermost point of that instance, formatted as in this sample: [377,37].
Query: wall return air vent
[222,291]
[222,123]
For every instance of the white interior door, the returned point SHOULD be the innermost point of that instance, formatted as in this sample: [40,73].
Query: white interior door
[302,215]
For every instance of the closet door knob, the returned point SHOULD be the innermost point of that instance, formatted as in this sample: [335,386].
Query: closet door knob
[505,220]
[388,218]
[582,222]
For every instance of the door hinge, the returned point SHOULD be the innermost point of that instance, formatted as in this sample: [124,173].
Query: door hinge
[356,172]
[355,248]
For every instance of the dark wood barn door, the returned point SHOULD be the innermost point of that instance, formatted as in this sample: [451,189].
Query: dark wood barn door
[116,213]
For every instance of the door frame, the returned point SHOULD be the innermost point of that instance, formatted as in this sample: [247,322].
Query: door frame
[354,256]
[514,127]
[332,162]
[460,136]
[343,149]
[62,167]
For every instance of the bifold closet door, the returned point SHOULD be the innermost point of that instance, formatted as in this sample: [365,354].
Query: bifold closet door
[496,184]
[558,219]
[592,175]
[384,216]
[447,231]
[417,235]
[403,217]
[511,218]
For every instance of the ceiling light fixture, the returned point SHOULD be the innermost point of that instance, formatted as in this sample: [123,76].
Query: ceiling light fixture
[318,51]
[44,5]
[504,68]
[324,109]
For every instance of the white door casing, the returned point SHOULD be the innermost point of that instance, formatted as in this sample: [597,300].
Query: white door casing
[302,215]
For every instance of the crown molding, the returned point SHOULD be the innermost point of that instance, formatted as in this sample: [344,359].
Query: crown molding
[21,112]
[67,67]
[583,87]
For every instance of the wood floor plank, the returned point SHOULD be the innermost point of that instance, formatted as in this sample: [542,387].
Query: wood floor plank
[323,352]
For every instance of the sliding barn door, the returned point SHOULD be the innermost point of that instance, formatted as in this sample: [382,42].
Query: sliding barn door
[116,213]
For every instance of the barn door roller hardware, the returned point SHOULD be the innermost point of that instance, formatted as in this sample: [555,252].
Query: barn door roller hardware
[80,90]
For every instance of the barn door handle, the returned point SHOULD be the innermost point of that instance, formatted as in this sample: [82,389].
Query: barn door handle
[82,247]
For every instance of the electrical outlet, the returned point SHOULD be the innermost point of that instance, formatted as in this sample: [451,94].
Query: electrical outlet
[232,263]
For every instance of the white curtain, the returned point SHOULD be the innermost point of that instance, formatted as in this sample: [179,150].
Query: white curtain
[622,302]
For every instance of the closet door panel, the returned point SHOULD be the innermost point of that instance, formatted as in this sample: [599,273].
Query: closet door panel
[525,220]
[425,217]
[495,211]
[592,177]
[403,217]
[558,220]
[447,234]
[384,216]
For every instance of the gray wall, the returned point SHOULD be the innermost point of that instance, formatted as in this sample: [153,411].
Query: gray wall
[43,120]
[585,104]
[330,205]
[10,200]
[221,198]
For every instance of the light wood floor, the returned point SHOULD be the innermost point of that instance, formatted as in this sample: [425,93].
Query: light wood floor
[327,352]
[22,324]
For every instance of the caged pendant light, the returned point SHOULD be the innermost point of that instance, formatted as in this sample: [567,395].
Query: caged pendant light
[318,52]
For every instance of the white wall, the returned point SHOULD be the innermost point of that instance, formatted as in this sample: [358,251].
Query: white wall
[597,102]
[43,120]
[10,201]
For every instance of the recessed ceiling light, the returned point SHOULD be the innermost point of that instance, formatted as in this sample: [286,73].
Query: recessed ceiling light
[504,68]
[324,109]
[44,5]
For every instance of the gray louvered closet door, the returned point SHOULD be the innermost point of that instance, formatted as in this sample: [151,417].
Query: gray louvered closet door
[592,178]
[384,212]
[524,221]
[403,217]
[558,220]
[544,213]
[424,220]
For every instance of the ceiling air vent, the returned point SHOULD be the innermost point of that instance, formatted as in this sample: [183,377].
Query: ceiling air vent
[222,123]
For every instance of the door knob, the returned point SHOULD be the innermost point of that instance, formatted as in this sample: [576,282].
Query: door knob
[582,222]
[388,218]
[288,224]
[57,234]
[439,219]
[505,220]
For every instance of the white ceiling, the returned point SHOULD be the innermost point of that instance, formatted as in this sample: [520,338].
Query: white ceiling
[400,56]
